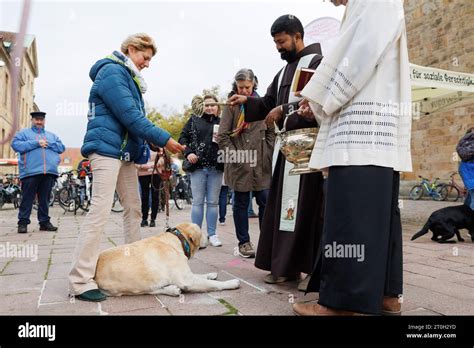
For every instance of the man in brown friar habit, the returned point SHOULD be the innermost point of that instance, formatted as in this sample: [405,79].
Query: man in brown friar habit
[293,219]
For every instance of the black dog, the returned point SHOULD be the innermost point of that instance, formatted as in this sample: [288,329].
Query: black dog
[446,222]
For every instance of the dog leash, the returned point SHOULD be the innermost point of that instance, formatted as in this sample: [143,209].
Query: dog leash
[165,177]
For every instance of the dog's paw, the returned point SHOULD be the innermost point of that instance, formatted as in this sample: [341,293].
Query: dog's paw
[172,290]
[233,284]
[212,276]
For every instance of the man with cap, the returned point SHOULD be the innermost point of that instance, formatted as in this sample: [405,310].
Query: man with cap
[38,153]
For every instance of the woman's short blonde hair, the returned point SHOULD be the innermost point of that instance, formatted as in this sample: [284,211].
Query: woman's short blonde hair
[140,41]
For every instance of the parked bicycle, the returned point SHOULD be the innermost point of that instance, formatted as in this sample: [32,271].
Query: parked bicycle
[455,190]
[436,191]
[10,191]
[181,192]
[68,194]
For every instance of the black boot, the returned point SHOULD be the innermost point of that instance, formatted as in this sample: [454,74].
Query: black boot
[22,228]
[152,223]
[48,226]
[144,223]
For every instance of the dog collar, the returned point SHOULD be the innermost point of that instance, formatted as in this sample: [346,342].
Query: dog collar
[184,242]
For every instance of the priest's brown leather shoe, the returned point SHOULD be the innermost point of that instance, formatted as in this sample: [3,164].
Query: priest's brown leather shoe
[311,309]
[391,306]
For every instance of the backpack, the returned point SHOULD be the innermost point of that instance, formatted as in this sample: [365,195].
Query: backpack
[83,168]
[465,147]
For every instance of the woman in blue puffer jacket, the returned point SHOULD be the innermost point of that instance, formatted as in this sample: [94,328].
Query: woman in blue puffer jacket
[115,140]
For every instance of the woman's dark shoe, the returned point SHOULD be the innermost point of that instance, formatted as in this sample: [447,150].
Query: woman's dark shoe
[152,223]
[94,295]
[22,228]
[144,223]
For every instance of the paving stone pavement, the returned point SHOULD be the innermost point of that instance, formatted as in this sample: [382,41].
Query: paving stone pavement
[438,278]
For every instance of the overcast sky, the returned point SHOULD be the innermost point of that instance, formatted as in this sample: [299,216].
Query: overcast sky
[200,45]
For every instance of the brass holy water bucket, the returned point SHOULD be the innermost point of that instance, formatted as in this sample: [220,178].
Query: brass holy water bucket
[297,146]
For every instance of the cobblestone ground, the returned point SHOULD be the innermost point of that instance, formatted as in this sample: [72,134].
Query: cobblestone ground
[438,278]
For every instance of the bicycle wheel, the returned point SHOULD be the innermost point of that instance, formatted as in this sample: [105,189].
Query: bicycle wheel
[440,193]
[2,199]
[453,193]
[416,192]
[17,201]
[117,205]
[178,201]
[83,204]
[64,199]
[52,198]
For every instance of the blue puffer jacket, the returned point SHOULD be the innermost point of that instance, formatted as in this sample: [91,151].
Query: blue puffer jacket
[116,105]
[466,170]
[32,158]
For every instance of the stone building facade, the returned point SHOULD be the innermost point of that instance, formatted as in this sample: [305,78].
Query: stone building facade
[29,71]
[440,35]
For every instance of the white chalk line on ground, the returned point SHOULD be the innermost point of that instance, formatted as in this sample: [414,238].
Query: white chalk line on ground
[161,303]
[99,309]
[54,303]
[265,291]
[41,294]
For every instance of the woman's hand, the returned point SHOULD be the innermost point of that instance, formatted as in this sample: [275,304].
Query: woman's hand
[173,146]
[193,158]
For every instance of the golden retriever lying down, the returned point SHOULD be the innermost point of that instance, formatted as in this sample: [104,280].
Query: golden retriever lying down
[157,265]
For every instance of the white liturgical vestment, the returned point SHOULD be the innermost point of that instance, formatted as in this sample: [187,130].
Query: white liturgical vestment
[361,91]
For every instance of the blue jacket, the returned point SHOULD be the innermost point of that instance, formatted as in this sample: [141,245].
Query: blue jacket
[466,170]
[116,113]
[32,158]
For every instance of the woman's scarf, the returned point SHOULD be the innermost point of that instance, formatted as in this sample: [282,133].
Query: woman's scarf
[241,124]
[120,58]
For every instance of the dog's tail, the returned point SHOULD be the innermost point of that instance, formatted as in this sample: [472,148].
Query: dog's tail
[423,231]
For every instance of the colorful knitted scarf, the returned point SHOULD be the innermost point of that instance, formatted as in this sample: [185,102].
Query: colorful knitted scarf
[241,124]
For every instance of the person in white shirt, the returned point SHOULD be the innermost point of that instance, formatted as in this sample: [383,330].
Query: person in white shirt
[360,95]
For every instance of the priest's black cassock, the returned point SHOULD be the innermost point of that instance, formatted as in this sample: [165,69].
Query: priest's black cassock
[287,253]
